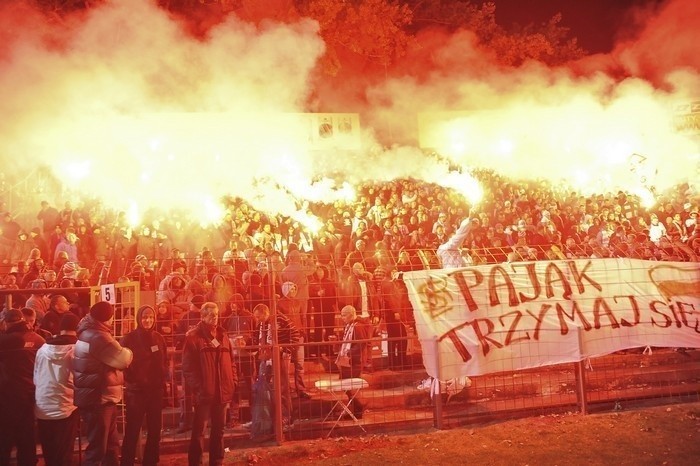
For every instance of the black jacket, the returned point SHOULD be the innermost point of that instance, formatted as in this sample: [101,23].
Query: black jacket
[147,371]
[18,347]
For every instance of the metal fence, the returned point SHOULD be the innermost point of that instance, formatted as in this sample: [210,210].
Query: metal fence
[402,396]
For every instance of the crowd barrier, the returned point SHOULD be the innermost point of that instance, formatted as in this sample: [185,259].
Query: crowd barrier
[400,395]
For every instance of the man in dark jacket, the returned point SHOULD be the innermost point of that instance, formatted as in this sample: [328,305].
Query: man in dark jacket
[18,347]
[58,306]
[186,323]
[350,355]
[97,371]
[145,387]
[208,368]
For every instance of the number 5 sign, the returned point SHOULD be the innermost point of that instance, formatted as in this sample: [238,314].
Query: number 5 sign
[108,293]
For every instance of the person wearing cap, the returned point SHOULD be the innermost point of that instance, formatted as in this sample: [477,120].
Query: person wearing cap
[210,371]
[18,348]
[56,414]
[98,363]
[145,387]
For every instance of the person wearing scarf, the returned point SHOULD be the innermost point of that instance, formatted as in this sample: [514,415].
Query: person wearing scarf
[349,360]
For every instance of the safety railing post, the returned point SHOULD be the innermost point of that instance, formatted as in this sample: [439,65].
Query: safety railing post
[581,387]
[435,387]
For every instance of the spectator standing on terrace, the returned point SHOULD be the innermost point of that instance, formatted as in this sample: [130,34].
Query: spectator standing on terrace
[656,229]
[10,228]
[351,353]
[68,245]
[57,415]
[58,307]
[40,243]
[145,387]
[440,222]
[186,323]
[298,270]
[449,252]
[22,248]
[323,301]
[49,218]
[208,367]
[287,336]
[30,317]
[38,300]
[97,370]
[18,348]
[290,306]
[390,303]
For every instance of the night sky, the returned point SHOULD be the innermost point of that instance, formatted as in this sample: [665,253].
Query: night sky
[596,23]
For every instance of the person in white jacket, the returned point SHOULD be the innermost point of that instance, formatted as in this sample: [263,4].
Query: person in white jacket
[449,252]
[57,416]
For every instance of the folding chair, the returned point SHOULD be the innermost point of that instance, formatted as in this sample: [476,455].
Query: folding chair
[337,389]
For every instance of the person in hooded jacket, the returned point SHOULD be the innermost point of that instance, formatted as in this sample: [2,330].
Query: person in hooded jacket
[57,416]
[18,348]
[98,363]
[145,387]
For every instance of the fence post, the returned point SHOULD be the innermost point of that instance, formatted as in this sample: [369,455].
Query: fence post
[581,387]
[436,397]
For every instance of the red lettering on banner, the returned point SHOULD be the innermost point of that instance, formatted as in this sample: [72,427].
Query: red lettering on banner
[532,274]
[579,276]
[513,328]
[464,288]
[459,346]
[540,319]
[600,305]
[484,338]
[553,269]
[507,283]
[575,312]
[635,310]
[667,319]
[676,319]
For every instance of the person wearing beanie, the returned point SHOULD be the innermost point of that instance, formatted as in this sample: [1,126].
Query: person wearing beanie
[56,414]
[210,372]
[145,387]
[98,363]
[18,348]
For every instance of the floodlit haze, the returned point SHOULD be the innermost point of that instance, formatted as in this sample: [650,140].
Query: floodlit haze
[128,107]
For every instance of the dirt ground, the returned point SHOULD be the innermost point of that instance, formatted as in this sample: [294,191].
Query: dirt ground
[661,435]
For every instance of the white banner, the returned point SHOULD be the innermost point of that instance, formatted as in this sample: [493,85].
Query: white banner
[521,315]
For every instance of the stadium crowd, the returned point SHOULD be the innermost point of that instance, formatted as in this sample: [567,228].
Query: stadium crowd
[390,227]
[348,270]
